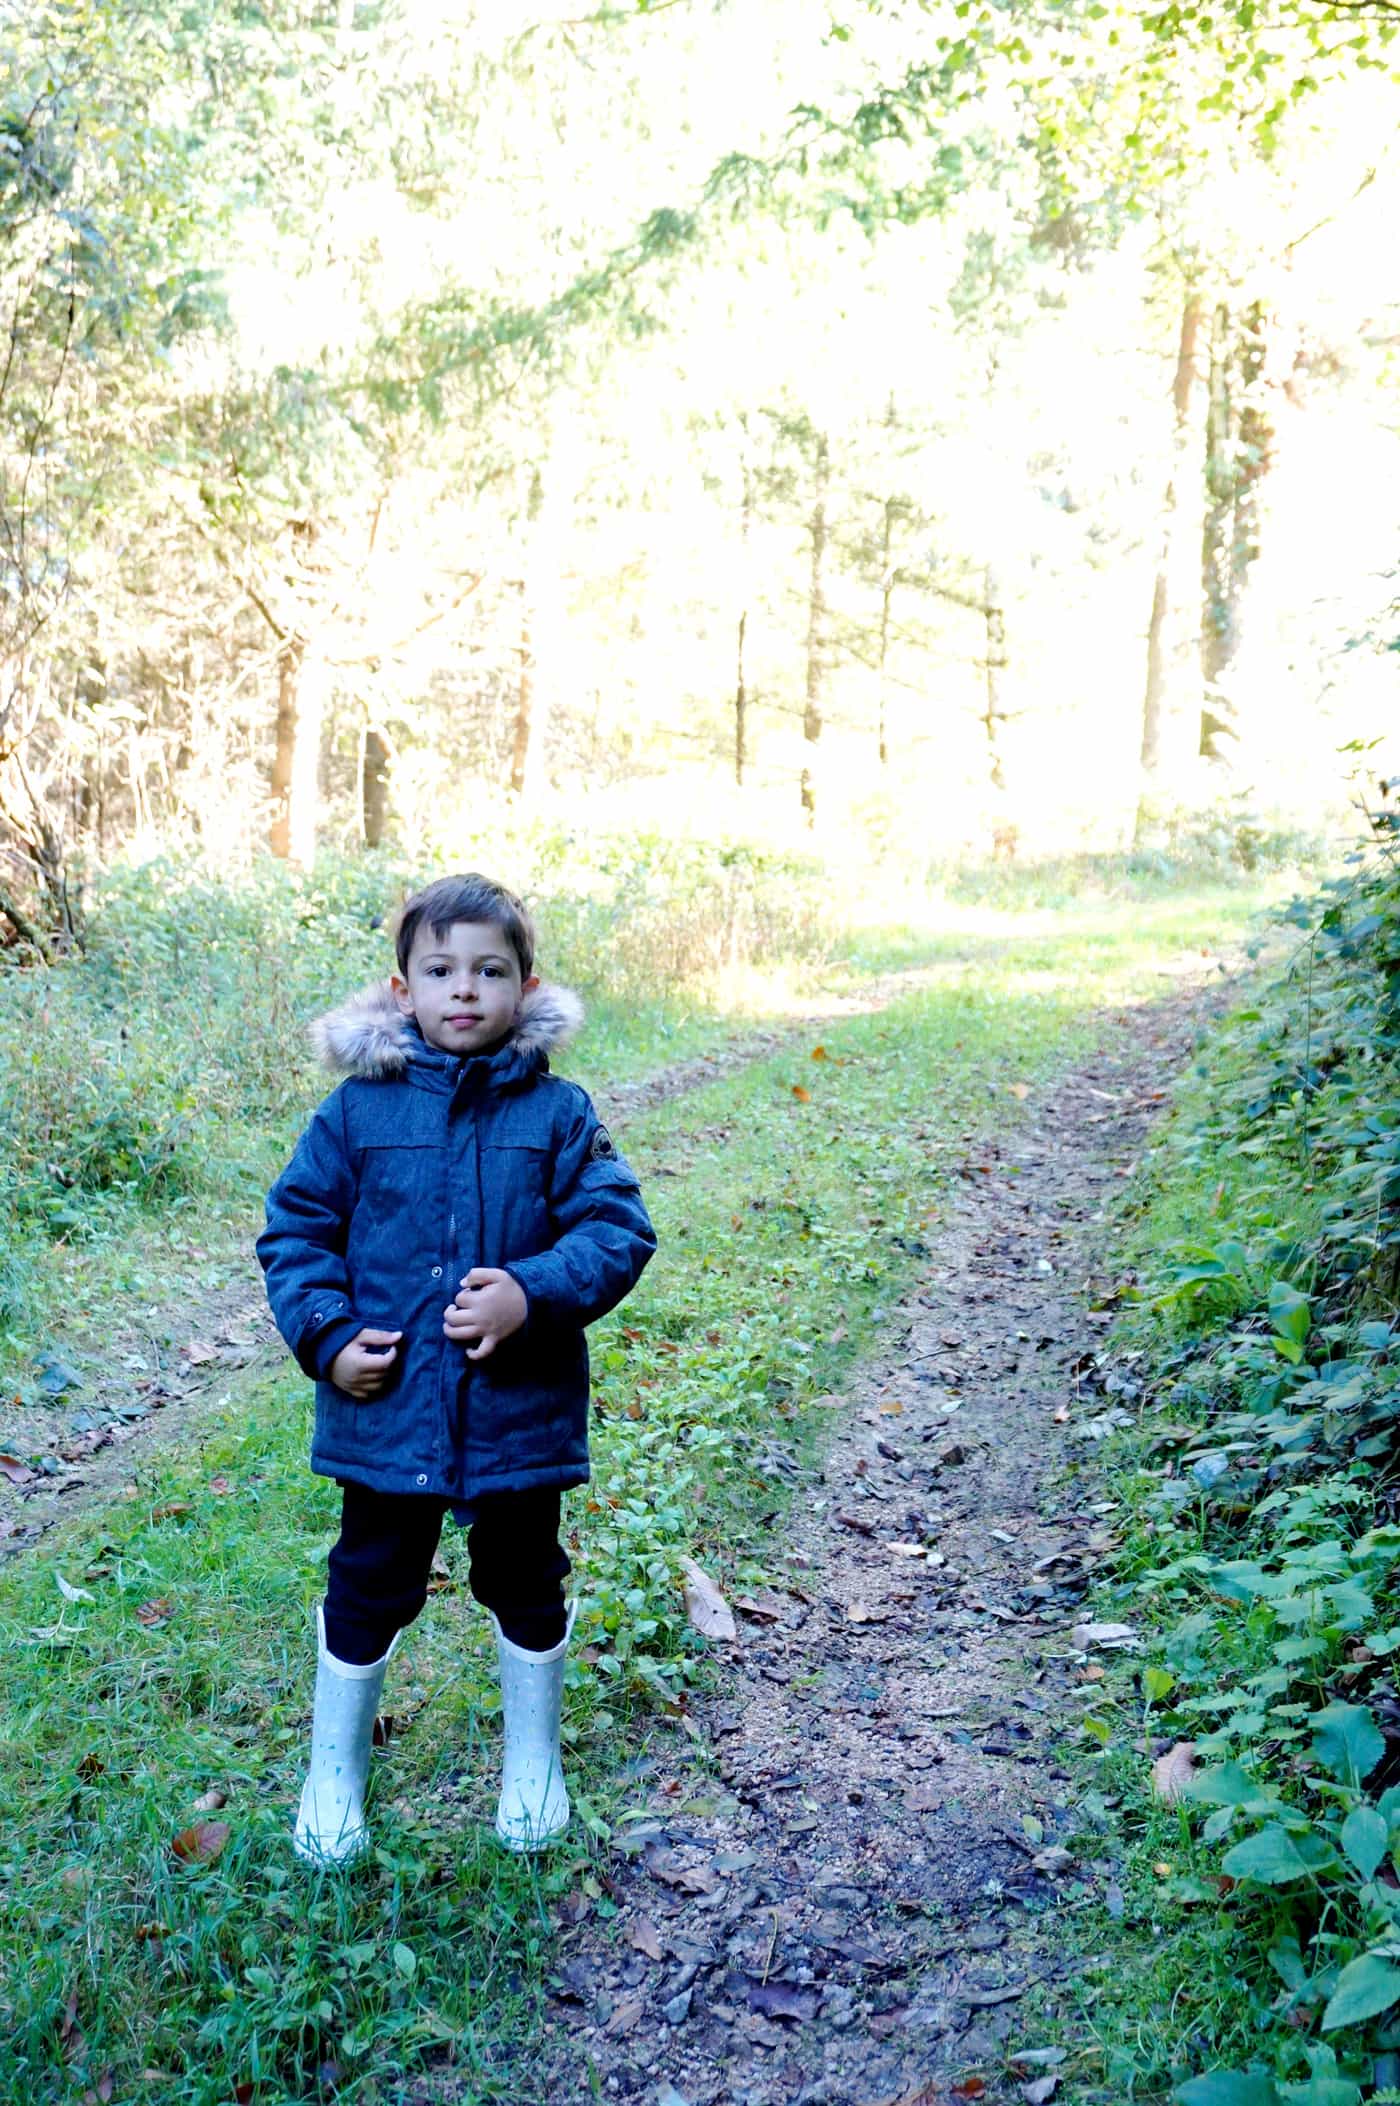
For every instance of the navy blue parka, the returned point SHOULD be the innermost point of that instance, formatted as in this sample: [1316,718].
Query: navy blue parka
[418,1167]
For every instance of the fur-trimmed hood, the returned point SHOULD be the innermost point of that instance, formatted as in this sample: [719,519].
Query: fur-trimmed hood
[368,1036]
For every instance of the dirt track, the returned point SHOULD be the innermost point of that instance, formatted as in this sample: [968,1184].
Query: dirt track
[851,1874]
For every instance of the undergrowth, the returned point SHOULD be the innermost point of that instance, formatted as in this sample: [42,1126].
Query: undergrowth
[1259,1957]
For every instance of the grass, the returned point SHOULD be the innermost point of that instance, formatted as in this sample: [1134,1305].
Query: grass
[794,1201]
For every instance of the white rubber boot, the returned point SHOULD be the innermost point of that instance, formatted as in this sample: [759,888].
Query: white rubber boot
[330,1827]
[534,1804]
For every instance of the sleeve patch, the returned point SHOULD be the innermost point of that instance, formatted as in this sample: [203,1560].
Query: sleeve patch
[601,1148]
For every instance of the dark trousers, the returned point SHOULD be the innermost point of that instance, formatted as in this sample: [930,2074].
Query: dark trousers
[377,1577]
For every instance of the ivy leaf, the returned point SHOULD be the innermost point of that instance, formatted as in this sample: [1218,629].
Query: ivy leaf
[1364,1989]
[1365,1837]
[1270,1857]
[1347,1741]
[1228,2087]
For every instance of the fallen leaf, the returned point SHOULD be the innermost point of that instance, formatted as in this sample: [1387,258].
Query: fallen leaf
[147,1931]
[819,1052]
[642,1933]
[1055,1859]
[70,2034]
[709,1612]
[862,1612]
[98,2094]
[1172,1771]
[211,1801]
[1107,1634]
[802,1096]
[220,1485]
[755,1610]
[71,1593]
[154,1613]
[198,1350]
[1061,1417]
[1019,1089]
[1043,2088]
[15,1470]
[782,2000]
[625,2016]
[201,1844]
[970,2088]
[858,1522]
[174,1506]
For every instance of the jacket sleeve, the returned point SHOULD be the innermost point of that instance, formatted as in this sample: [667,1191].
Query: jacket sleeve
[302,1248]
[603,1234]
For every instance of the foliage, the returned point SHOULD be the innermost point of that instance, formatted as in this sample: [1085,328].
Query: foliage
[1267,1552]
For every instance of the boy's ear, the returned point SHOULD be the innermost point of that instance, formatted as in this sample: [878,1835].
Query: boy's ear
[401,994]
[529,986]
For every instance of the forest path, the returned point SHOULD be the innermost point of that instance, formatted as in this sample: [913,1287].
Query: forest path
[164,1370]
[850,1870]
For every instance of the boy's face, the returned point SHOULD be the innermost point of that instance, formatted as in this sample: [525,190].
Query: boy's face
[463,986]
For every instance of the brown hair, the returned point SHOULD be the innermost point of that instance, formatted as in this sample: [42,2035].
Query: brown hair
[467,897]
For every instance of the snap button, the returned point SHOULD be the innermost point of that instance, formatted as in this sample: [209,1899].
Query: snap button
[422,1477]
[317,1317]
[437,1272]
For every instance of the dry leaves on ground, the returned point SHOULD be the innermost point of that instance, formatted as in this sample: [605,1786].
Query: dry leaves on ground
[709,1612]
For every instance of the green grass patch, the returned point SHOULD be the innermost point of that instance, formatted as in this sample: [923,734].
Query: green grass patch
[795,1201]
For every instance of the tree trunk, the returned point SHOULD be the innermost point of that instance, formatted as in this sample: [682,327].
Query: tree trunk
[1217,553]
[741,707]
[886,596]
[524,699]
[374,786]
[741,692]
[816,628]
[1256,374]
[1171,712]
[296,763]
[994,716]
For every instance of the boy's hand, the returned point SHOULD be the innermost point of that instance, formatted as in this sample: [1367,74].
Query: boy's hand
[361,1369]
[489,1307]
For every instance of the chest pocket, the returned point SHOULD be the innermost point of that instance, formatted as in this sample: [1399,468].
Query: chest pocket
[515,1187]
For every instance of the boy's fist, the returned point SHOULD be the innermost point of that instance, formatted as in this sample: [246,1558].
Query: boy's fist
[361,1369]
[489,1306]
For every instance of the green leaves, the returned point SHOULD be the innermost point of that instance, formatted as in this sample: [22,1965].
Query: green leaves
[1365,1839]
[1291,1316]
[1228,2087]
[1347,1742]
[1270,1857]
[1364,1989]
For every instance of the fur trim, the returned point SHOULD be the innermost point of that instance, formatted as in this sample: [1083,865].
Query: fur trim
[368,1035]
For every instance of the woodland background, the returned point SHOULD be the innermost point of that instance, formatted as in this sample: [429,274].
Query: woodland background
[901,432]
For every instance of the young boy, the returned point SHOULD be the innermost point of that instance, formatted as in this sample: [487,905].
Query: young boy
[453,1216]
